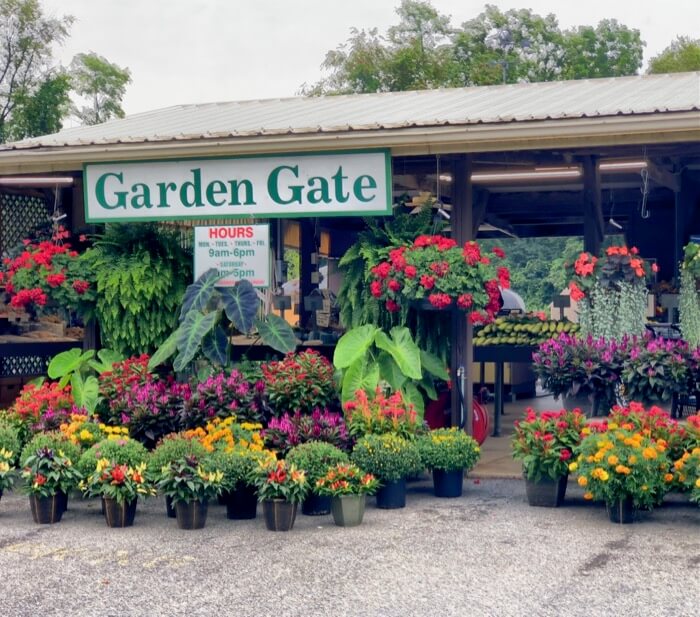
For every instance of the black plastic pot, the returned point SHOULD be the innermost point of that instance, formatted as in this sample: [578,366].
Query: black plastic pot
[392,495]
[448,483]
[279,514]
[242,503]
[316,505]
[119,514]
[546,493]
[191,514]
[46,510]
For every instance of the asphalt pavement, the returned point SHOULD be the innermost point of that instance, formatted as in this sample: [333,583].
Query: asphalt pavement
[486,553]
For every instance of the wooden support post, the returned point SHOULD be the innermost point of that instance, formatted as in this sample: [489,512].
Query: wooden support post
[462,352]
[307,246]
[593,225]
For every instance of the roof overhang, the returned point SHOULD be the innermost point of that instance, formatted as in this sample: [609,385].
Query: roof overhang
[601,131]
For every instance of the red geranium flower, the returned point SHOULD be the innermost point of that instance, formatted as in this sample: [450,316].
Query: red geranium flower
[427,281]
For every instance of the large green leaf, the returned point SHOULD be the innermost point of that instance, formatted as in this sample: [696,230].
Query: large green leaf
[390,372]
[428,385]
[198,294]
[241,305]
[215,346]
[362,375]
[275,332]
[167,348]
[403,349]
[353,345]
[106,358]
[67,362]
[412,395]
[190,336]
[433,365]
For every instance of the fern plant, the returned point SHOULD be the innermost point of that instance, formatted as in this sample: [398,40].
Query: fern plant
[689,306]
[141,274]
[359,307]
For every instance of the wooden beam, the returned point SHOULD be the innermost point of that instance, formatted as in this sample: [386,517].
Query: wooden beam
[663,177]
[462,353]
[593,225]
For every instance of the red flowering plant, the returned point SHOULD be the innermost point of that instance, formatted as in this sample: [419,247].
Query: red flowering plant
[437,269]
[300,382]
[41,408]
[279,480]
[611,290]
[381,414]
[545,442]
[114,384]
[48,276]
[118,481]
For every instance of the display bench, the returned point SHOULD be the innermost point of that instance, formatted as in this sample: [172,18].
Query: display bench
[500,355]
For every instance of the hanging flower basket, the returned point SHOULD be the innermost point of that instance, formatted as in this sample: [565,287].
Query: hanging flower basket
[435,273]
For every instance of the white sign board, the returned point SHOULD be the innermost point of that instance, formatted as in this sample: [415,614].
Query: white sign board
[333,184]
[236,251]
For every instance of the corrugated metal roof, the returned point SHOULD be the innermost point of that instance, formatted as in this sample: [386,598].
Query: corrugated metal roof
[646,94]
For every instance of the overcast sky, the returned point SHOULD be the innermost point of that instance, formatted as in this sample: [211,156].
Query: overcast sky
[196,51]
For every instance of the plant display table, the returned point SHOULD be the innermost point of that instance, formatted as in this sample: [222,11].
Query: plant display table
[499,355]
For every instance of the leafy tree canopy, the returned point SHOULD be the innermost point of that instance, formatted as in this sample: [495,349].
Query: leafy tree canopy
[102,84]
[424,50]
[680,56]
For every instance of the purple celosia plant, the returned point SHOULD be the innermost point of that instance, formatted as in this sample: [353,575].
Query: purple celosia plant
[287,431]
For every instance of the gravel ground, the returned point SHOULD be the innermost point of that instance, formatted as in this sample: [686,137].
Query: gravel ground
[486,553]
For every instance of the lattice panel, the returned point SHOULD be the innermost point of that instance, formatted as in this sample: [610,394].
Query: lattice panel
[24,366]
[19,215]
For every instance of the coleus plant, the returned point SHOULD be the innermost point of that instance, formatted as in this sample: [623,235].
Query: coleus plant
[208,318]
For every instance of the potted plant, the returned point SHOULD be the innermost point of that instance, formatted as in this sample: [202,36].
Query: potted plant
[381,413]
[48,476]
[689,299]
[611,292]
[240,466]
[300,382]
[624,468]
[171,448]
[391,459]
[583,370]
[190,482]
[656,370]
[314,457]
[449,453]
[9,448]
[544,443]
[347,486]
[686,471]
[56,441]
[440,274]
[281,487]
[120,486]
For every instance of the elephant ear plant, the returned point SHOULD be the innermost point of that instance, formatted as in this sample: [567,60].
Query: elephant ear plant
[208,318]
[368,357]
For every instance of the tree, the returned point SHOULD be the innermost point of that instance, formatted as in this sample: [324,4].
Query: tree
[681,55]
[424,51]
[41,112]
[102,83]
[26,40]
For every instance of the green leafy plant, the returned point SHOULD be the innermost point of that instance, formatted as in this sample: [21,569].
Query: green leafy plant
[52,440]
[314,458]
[208,316]
[7,458]
[448,449]
[545,442]
[171,448]
[46,472]
[80,370]
[141,272]
[9,440]
[369,357]
[689,299]
[117,481]
[278,480]
[389,457]
[346,479]
[241,465]
[121,450]
[190,478]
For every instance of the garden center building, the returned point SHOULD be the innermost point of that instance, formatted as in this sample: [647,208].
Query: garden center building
[525,160]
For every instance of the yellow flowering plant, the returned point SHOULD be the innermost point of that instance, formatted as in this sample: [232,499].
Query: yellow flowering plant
[686,473]
[240,465]
[117,481]
[83,431]
[6,468]
[449,449]
[617,464]
[388,457]
[223,434]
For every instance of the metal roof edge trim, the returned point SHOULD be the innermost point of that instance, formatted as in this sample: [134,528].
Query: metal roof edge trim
[654,128]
